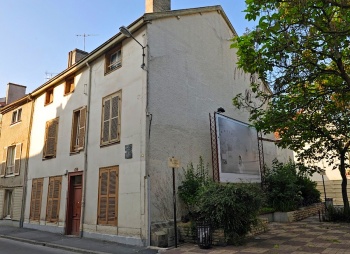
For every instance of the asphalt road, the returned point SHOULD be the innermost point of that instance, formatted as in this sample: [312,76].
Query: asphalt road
[8,246]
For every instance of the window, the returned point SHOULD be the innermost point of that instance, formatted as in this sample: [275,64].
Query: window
[107,213]
[16,116]
[113,59]
[8,204]
[53,199]
[11,160]
[49,96]
[78,130]
[110,132]
[69,86]
[35,201]
[50,144]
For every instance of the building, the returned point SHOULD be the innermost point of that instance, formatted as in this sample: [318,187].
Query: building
[14,142]
[102,130]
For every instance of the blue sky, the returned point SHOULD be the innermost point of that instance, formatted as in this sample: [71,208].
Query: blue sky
[36,35]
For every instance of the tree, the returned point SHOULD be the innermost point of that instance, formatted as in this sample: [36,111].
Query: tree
[299,51]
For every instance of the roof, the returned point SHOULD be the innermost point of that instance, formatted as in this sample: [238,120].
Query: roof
[134,26]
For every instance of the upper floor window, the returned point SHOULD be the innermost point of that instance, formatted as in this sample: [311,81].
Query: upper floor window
[113,59]
[78,130]
[16,116]
[50,144]
[49,96]
[110,131]
[11,160]
[69,86]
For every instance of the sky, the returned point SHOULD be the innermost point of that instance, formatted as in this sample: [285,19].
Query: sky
[36,35]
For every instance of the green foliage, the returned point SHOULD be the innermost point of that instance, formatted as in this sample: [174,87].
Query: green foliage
[232,207]
[288,187]
[301,50]
[336,214]
[191,186]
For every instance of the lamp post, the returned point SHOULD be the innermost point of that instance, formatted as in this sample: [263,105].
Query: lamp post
[128,34]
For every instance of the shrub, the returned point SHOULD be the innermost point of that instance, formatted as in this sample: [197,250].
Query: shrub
[288,187]
[232,207]
[190,188]
[336,214]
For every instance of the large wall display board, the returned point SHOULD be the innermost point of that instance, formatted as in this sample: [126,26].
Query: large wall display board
[238,154]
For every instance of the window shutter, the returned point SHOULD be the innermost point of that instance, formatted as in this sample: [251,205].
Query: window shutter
[18,158]
[53,199]
[108,196]
[106,120]
[3,163]
[115,119]
[82,128]
[35,203]
[51,138]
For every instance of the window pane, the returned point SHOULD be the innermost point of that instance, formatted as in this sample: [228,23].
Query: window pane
[19,116]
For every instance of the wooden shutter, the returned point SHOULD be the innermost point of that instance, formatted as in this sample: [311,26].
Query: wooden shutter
[51,138]
[114,118]
[53,199]
[108,196]
[18,158]
[3,163]
[35,203]
[82,128]
[106,116]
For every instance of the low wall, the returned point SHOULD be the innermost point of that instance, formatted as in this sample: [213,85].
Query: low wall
[297,215]
[187,233]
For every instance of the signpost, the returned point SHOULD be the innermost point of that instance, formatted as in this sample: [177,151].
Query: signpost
[174,163]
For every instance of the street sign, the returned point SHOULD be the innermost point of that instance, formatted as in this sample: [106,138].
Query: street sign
[173,162]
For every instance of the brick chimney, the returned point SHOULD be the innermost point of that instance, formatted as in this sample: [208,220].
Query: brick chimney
[75,56]
[157,5]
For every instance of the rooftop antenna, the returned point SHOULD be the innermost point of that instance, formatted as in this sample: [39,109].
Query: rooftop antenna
[85,35]
[49,75]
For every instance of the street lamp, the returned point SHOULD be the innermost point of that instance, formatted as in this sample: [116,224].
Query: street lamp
[128,34]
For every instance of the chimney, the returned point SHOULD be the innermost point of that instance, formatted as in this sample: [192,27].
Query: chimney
[14,92]
[75,56]
[157,5]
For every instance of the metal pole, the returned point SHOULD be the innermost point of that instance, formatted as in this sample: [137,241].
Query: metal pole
[174,200]
[324,189]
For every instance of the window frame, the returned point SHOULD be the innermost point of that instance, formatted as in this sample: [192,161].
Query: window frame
[49,95]
[78,130]
[110,197]
[51,123]
[16,116]
[108,56]
[16,158]
[69,83]
[110,140]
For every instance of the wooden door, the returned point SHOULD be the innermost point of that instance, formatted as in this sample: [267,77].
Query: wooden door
[74,204]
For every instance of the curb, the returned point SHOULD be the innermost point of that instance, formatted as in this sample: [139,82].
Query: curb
[52,245]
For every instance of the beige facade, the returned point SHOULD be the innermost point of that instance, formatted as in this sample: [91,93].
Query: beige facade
[16,121]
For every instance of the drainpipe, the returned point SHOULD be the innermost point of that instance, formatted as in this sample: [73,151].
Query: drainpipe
[25,176]
[82,216]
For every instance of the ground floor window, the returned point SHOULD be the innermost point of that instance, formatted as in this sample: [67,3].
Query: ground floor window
[108,196]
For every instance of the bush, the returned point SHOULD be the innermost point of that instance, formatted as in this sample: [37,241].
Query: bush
[288,187]
[336,214]
[190,188]
[232,207]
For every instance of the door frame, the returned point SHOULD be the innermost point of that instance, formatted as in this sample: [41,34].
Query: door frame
[69,210]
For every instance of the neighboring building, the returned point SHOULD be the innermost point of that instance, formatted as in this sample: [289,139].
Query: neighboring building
[103,129]
[14,141]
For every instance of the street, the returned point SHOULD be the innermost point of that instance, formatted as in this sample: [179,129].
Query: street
[10,247]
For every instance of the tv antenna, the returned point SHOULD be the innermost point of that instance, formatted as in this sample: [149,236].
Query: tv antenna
[85,35]
[49,75]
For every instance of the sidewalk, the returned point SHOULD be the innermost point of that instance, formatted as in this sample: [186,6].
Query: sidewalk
[307,236]
[76,244]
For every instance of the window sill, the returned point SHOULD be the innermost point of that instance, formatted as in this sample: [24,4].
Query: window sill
[48,158]
[108,72]
[66,94]
[75,152]
[10,175]
[14,123]
[111,143]
[46,104]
